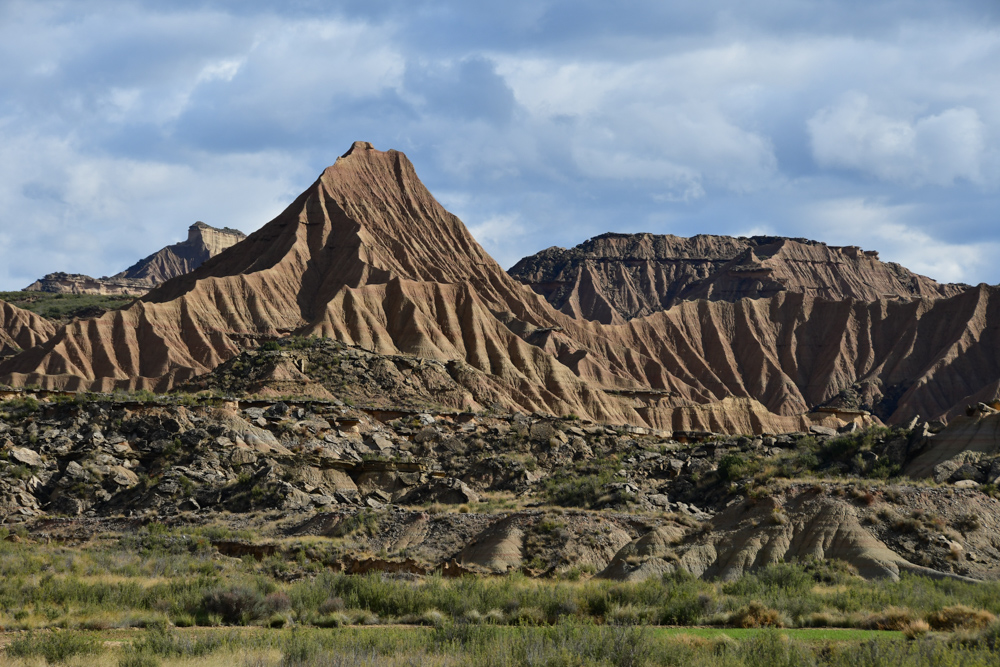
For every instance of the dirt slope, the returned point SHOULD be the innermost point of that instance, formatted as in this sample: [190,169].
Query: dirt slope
[21,329]
[616,277]
[367,256]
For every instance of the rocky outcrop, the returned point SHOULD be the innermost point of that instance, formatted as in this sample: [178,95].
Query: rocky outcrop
[21,329]
[617,277]
[202,243]
[803,525]
[78,283]
[366,256]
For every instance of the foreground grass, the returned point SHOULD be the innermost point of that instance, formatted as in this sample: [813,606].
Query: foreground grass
[469,645]
[160,577]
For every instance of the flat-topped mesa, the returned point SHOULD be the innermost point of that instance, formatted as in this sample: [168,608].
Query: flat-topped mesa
[616,277]
[203,242]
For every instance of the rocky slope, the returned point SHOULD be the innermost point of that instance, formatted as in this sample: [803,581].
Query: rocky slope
[616,277]
[21,329]
[367,257]
[202,243]
[539,495]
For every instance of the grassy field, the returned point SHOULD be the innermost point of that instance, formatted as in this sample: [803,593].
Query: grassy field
[164,596]
[564,644]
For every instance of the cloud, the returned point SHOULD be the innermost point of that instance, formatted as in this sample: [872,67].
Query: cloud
[469,89]
[540,122]
[69,211]
[935,149]
[890,230]
[502,237]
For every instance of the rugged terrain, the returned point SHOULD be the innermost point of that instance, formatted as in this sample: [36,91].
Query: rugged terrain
[541,494]
[203,242]
[21,329]
[617,277]
[367,257]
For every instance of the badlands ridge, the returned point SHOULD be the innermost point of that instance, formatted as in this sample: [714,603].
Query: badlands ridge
[759,335]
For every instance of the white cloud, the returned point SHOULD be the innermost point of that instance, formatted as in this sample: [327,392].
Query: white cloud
[65,210]
[120,123]
[889,229]
[937,149]
[502,236]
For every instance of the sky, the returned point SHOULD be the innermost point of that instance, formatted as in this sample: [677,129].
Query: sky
[538,122]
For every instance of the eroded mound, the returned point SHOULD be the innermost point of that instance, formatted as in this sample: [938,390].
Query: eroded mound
[21,329]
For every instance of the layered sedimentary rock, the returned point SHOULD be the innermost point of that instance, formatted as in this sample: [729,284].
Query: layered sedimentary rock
[203,242]
[616,277]
[368,257]
[21,329]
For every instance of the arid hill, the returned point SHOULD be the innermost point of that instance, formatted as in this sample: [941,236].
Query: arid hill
[21,329]
[368,257]
[203,242]
[617,277]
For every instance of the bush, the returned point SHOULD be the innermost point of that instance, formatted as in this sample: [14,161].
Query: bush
[916,629]
[54,647]
[331,605]
[238,605]
[138,660]
[893,618]
[960,617]
[755,615]
[732,467]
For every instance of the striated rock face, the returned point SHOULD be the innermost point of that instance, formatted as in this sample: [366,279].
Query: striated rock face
[202,243]
[78,283]
[616,277]
[21,329]
[368,257]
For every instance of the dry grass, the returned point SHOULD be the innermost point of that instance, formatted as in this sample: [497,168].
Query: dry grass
[756,615]
[960,617]
[893,618]
[916,629]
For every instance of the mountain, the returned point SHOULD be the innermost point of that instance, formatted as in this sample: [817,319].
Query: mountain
[368,257]
[617,277]
[21,329]
[203,242]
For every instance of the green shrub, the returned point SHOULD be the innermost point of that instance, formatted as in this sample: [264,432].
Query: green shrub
[54,647]
[238,605]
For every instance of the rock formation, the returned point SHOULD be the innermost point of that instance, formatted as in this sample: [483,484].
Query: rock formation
[202,243]
[21,329]
[617,277]
[368,257]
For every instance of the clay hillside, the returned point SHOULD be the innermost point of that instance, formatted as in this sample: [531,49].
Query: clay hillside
[21,329]
[366,256]
[617,277]
[203,242]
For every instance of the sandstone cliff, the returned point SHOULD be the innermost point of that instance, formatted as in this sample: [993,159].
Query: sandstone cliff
[368,257]
[21,329]
[202,243]
[616,277]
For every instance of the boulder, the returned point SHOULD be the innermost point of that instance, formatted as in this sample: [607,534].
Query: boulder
[26,456]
